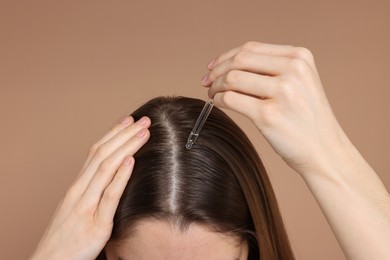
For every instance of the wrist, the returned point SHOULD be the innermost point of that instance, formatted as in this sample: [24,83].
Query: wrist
[335,161]
[353,199]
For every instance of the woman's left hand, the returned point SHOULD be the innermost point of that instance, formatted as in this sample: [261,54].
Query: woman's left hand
[279,89]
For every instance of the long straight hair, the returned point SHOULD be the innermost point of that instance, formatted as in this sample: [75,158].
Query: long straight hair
[221,182]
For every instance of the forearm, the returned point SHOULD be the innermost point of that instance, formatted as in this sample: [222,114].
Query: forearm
[291,111]
[354,201]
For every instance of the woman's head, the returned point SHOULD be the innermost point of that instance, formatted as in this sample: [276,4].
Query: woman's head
[215,198]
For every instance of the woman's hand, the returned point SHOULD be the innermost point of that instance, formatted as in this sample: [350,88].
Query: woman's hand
[279,89]
[82,223]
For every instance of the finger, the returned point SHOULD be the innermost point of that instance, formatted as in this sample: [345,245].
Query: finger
[114,131]
[250,107]
[76,188]
[108,168]
[244,82]
[252,46]
[252,62]
[112,194]
[105,149]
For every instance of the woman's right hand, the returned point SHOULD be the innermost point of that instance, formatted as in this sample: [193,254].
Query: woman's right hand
[279,89]
[83,221]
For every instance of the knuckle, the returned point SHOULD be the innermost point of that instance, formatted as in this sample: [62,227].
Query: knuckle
[285,83]
[71,194]
[218,59]
[227,98]
[299,66]
[232,76]
[100,151]
[286,88]
[303,53]
[273,115]
[93,148]
[211,75]
[240,57]
[85,211]
[250,45]
[110,195]
[116,127]
[268,119]
[106,164]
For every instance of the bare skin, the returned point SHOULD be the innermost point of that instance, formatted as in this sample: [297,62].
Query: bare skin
[160,240]
[278,88]
[83,221]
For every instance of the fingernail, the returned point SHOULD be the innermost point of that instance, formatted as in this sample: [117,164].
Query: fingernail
[128,160]
[141,133]
[142,121]
[126,120]
[210,64]
[205,79]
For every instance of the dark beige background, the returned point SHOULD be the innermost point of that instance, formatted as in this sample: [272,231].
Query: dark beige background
[71,69]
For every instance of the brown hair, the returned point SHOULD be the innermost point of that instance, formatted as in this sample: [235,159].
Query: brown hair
[220,182]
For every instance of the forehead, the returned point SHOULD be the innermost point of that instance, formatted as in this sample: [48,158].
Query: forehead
[154,239]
